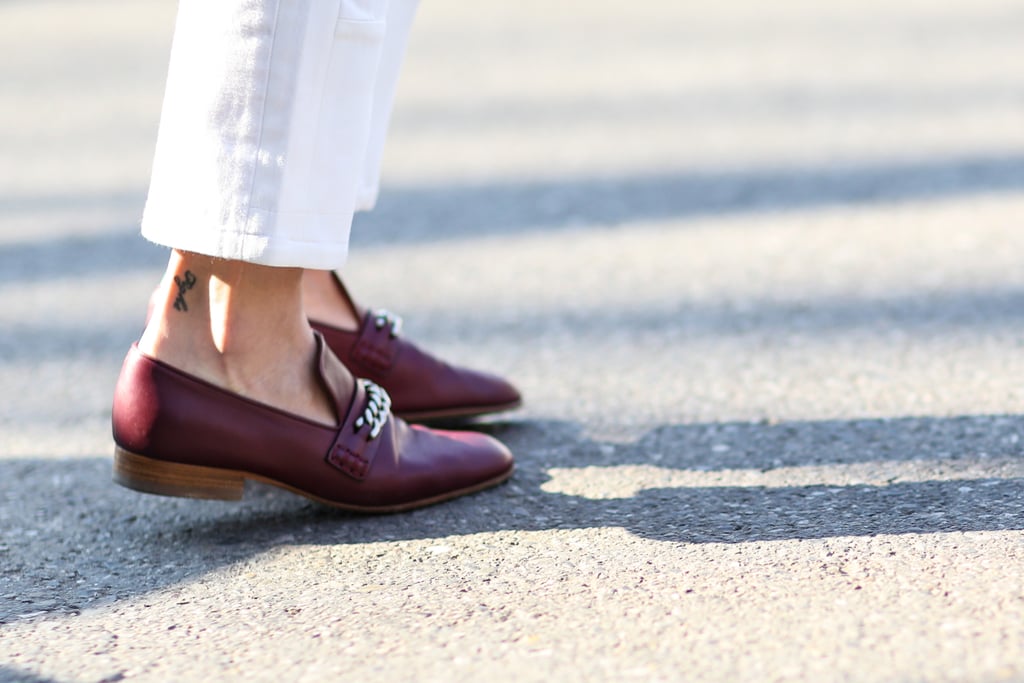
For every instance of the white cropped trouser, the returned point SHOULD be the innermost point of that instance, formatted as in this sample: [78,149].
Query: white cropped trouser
[273,126]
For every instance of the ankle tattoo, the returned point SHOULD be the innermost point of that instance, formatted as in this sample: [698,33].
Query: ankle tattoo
[184,284]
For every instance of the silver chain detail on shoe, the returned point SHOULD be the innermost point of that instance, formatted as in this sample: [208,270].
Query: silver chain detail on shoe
[378,408]
[383,317]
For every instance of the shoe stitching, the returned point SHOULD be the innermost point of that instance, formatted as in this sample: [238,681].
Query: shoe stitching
[349,462]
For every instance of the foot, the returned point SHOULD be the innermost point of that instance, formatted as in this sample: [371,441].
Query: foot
[423,388]
[177,434]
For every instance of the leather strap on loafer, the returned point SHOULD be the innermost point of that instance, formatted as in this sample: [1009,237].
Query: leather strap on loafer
[355,446]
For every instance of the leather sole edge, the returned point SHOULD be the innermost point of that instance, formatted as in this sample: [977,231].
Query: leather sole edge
[148,475]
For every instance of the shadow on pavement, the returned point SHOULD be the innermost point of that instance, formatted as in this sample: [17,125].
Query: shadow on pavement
[73,540]
[936,313]
[451,211]
[12,675]
[433,214]
[80,256]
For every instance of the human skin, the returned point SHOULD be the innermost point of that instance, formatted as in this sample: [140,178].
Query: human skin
[242,327]
[324,301]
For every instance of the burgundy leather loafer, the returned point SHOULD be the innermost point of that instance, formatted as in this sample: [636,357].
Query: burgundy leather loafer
[178,435]
[423,388]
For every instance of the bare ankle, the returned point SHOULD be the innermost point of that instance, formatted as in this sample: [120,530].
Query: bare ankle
[240,327]
[325,300]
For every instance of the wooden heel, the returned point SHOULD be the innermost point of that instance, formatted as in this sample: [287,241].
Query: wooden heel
[175,479]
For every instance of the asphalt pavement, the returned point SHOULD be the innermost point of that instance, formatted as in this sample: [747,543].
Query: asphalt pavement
[758,269]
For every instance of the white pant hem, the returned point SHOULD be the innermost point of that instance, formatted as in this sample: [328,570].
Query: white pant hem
[212,239]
